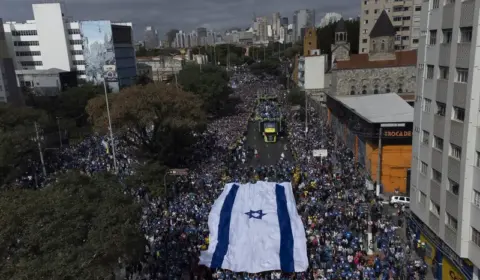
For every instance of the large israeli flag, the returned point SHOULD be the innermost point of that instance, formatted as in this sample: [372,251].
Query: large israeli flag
[255,228]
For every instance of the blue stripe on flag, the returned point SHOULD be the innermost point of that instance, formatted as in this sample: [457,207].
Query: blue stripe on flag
[286,234]
[224,228]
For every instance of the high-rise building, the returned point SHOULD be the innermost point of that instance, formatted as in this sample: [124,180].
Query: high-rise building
[284,21]
[9,91]
[445,175]
[181,40]
[262,29]
[302,19]
[151,40]
[405,16]
[201,36]
[276,23]
[87,47]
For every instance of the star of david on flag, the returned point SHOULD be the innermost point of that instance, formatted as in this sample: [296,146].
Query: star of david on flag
[255,228]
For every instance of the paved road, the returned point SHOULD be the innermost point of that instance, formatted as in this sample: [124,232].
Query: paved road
[269,153]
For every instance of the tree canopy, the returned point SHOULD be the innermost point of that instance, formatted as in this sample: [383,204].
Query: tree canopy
[77,228]
[326,36]
[17,147]
[225,54]
[156,118]
[270,66]
[210,83]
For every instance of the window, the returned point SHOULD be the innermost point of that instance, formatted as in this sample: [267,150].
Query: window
[78,62]
[430,71]
[397,8]
[363,50]
[449,2]
[462,75]
[364,90]
[451,222]
[443,72]
[387,88]
[76,52]
[405,28]
[436,4]
[438,143]
[375,11]
[24,32]
[458,114]
[30,53]
[418,8]
[423,168]
[31,63]
[477,159]
[75,42]
[434,208]
[433,37]
[73,31]
[25,43]
[80,72]
[365,21]
[365,31]
[405,38]
[425,137]
[465,34]
[447,36]
[455,151]
[415,41]
[427,103]
[375,90]
[476,237]
[364,41]
[476,198]
[397,18]
[406,18]
[453,187]
[436,175]
[366,12]
[422,198]
[398,37]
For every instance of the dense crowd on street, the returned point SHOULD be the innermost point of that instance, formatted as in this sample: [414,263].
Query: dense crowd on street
[336,209]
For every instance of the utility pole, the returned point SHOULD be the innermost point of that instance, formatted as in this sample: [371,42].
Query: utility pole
[306,113]
[379,165]
[59,132]
[110,127]
[39,145]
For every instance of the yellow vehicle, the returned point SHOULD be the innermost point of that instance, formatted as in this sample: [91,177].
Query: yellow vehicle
[269,131]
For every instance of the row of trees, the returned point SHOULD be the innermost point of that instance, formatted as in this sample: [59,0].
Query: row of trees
[81,226]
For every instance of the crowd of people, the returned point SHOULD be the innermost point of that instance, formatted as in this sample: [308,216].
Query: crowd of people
[337,210]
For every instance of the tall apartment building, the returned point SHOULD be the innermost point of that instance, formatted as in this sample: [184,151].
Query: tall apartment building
[181,40]
[151,40]
[405,16]
[276,24]
[94,49]
[262,29]
[9,91]
[302,19]
[445,176]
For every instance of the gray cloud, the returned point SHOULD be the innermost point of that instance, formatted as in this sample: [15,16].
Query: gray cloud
[180,14]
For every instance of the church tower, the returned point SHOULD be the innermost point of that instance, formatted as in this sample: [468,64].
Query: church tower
[382,39]
[309,41]
[341,47]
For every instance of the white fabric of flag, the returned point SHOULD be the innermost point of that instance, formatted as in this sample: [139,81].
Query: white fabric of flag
[255,228]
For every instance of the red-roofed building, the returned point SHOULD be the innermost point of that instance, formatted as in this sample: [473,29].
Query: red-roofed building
[382,70]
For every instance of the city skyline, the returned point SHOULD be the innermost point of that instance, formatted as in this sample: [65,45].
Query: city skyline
[163,15]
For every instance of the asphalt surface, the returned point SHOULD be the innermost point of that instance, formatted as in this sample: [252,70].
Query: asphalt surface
[269,153]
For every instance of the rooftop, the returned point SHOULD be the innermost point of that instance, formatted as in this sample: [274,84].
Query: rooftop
[383,27]
[361,61]
[378,108]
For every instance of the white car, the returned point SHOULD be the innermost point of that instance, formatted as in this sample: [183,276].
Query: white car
[400,200]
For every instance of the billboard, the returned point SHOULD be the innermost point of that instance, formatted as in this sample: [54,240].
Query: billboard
[450,272]
[430,251]
[98,52]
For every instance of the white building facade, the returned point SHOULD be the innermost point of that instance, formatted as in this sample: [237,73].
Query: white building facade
[445,175]
[51,41]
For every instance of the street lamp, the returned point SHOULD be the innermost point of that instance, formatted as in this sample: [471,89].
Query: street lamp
[38,139]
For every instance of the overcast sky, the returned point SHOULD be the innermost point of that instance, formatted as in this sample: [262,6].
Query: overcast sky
[180,14]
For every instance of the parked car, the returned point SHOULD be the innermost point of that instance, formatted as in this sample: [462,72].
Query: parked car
[397,200]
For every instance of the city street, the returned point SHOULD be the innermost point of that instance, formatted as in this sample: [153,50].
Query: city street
[269,153]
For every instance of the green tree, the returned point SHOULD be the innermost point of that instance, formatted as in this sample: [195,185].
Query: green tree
[326,36]
[210,83]
[270,67]
[77,228]
[157,119]
[296,97]
[17,147]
